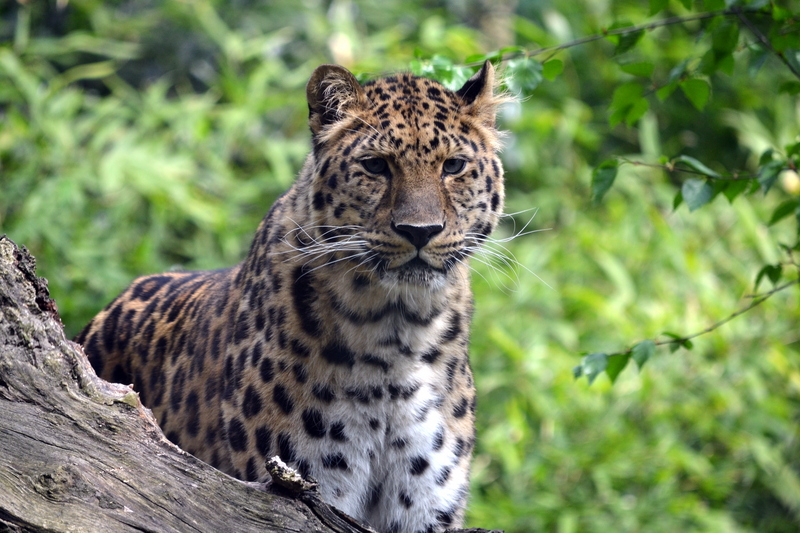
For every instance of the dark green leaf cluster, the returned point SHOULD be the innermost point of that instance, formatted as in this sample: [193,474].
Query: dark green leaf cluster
[699,183]
[595,364]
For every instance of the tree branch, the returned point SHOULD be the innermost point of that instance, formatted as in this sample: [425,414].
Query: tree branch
[730,12]
[740,14]
[671,167]
[735,11]
[758,300]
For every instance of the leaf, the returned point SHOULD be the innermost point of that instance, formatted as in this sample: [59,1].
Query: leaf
[627,40]
[594,364]
[792,55]
[626,94]
[696,193]
[687,4]
[677,201]
[642,352]
[616,364]
[552,69]
[697,166]
[643,69]
[725,63]
[786,42]
[734,188]
[678,71]
[475,58]
[664,92]
[697,91]
[785,209]
[83,72]
[505,51]
[603,178]
[768,173]
[725,36]
[676,342]
[636,111]
[790,87]
[780,13]
[718,186]
[623,101]
[525,74]
[84,42]
[758,56]
[714,60]
[577,371]
[656,6]
[772,272]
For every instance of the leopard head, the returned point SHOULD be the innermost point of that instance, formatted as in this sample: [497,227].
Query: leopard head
[406,182]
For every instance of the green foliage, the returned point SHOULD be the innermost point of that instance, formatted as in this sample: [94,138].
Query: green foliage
[696,193]
[138,138]
[603,177]
[697,91]
[525,74]
[642,352]
[628,104]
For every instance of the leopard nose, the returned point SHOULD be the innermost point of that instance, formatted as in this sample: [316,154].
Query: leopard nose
[419,236]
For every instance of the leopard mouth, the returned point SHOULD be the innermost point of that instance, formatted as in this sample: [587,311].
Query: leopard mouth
[417,271]
[418,264]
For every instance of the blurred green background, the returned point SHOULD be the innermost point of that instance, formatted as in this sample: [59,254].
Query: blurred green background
[143,136]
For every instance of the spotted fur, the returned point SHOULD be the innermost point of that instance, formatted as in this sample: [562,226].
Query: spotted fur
[341,342]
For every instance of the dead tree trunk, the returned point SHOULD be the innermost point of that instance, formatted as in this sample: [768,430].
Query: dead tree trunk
[80,454]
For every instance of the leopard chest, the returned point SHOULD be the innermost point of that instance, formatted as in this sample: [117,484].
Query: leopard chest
[398,425]
[376,404]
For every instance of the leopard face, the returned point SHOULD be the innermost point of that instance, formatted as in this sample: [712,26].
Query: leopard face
[407,175]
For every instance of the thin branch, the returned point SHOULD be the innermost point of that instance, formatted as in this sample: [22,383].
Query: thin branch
[731,12]
[764,40]
[737,12]
[758,300]
[671,167]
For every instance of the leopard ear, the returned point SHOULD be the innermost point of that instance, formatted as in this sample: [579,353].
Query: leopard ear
[478,95]
[331,91]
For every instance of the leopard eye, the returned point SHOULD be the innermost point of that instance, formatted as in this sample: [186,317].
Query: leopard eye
[375,165]
[453,166]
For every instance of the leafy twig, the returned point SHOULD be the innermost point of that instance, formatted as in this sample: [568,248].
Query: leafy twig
[731,12]
[670,167]
[764,40]
[612,364]
[735,11]
[757,300]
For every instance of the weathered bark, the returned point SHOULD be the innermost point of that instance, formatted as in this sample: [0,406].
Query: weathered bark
[80,454]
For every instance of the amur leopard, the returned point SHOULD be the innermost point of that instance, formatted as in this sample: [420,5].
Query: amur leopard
[340,343]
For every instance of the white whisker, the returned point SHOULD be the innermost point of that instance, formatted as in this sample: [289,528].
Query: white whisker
[498,273]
